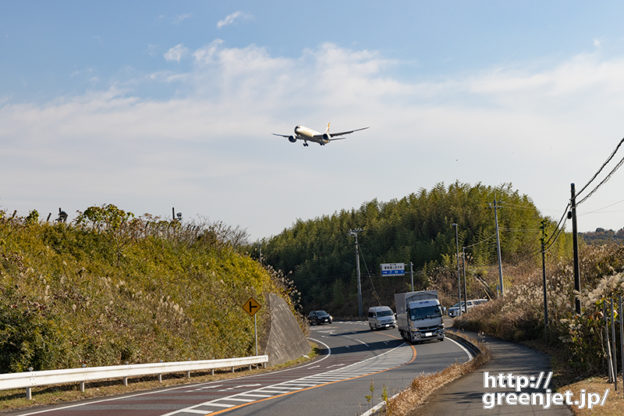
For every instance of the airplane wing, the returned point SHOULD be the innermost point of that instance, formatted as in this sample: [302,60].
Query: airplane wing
[282,135]
[342,133]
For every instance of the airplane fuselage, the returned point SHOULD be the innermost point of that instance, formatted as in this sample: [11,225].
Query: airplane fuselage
[307,134]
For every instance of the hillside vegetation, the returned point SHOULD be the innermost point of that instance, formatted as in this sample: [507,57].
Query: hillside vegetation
[577,339]
[320,253]
[110,288]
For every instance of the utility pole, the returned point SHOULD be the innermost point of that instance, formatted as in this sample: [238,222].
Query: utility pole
[412,274]
[354,232]
[543,240]
[464,269]
[458,276]
[498,249]
[577,271]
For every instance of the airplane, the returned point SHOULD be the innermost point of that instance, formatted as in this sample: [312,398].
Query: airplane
[308,135]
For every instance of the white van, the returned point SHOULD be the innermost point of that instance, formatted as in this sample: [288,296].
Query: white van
[381,317]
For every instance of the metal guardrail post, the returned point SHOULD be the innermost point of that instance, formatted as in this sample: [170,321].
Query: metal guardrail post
[29,389]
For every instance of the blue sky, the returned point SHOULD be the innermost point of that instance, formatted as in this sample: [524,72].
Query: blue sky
[150,104]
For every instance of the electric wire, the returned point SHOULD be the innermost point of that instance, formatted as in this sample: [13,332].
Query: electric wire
[548,245]
[561,222]
[602,182]
[481,241]
[369,276]
[601,168]
[608,206]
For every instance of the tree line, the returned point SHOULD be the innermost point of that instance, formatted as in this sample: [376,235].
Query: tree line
[319,255]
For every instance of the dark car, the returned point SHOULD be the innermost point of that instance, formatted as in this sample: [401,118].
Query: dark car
[319,317]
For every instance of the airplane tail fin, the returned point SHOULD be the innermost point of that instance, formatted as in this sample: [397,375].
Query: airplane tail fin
[327,131]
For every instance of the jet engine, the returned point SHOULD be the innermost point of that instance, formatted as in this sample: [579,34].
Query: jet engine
[326,137]
[292,139]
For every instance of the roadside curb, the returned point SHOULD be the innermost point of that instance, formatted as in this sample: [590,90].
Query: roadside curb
[464,340]
[473,349]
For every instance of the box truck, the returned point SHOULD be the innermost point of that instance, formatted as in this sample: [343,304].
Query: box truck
[419,316]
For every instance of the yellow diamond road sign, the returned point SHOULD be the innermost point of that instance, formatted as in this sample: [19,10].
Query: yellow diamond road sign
[251,306]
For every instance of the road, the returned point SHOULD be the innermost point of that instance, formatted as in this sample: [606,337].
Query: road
[352,361]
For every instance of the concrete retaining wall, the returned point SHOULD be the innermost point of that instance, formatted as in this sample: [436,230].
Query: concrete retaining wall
[286,341]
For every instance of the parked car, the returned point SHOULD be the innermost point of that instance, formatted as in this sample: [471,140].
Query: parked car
[381,317]
[319,317]
[453,311]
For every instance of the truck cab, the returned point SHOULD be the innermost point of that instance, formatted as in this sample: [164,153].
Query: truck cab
[419,316]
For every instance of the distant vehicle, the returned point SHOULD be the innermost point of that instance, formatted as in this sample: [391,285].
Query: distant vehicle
[308,135]
[319,317]
[453,311]
[419,316]
[381,317]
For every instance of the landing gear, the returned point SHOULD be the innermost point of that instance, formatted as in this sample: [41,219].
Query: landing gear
[305,144]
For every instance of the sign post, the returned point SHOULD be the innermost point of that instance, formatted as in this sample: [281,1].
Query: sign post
[251,307]
[393,269]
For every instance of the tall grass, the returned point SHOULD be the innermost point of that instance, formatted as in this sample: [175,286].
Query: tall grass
[519,316]
[110,288]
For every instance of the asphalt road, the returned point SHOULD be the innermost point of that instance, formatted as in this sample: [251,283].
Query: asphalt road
[353,360]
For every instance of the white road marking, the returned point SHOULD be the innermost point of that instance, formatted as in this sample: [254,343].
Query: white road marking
[242,386]
[241,400]
[470,357]
[210,404]
[205,388]
[250,395]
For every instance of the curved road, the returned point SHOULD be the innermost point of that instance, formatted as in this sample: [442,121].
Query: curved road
[352,360]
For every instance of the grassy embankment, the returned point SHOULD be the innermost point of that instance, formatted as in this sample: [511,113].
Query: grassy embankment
[574,343]
[110,289]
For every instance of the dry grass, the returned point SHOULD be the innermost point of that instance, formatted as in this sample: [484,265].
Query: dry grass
[614,405]
[408,401]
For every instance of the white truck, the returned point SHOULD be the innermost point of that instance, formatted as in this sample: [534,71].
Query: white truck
[419,316]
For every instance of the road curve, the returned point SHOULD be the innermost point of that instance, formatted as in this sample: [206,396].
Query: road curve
[352,361]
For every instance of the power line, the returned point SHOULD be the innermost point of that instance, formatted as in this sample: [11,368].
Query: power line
[561,223]
[481,241]
[608,206]
[600,170]
[603,181]
[555,236]
[517,206]
[370,277]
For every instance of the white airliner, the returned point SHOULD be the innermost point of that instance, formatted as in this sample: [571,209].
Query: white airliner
[308,135]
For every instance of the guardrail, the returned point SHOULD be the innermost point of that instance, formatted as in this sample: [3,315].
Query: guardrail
[82,375]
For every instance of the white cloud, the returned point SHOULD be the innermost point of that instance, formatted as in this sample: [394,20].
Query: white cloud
[181,17]
[209,147]
[231,18]
[176,53]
